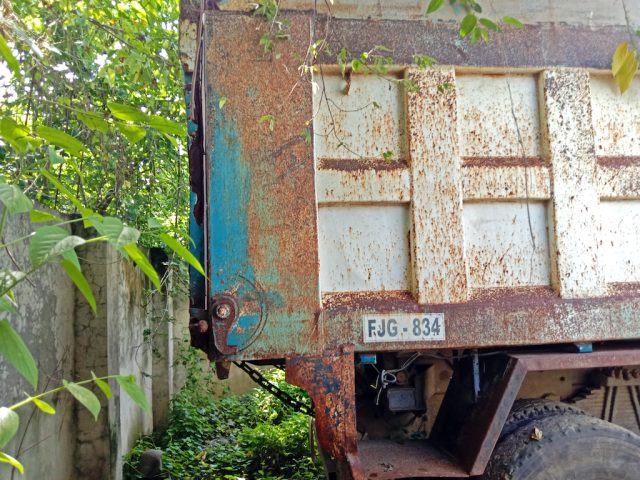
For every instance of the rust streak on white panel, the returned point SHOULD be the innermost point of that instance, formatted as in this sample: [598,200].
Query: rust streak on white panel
[362,186]
[619,182]
[439,267]
[506,183]
[569,142]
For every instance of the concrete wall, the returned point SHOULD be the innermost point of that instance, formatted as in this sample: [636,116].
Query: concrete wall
[69,341]
[133,332]
[45,443]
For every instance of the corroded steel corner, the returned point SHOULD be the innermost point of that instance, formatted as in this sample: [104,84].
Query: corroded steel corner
[330,382]
[261,183]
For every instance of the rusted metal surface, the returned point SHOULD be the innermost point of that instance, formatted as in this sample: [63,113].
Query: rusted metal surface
[535,46]
[566,13]
[330,382]
[437,238]
[364,248]
[359,119]
[616,120]
[492,317]
[509,182]
[620,239]
[506,244]
[262,210]
[498,116]
[576,267]
[363,185]
[386,459]
[457,169]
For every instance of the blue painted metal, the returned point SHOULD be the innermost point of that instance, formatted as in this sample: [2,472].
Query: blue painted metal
[230,186]
[367,358]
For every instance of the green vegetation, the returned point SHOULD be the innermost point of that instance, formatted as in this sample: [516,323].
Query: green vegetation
[253,436]
[92,92]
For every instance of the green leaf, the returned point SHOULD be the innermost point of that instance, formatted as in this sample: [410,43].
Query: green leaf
[12,347]
[434,5]
[489,24]
[49,242]
[485,35]
[62,189]
[129,385]
[182,252]
[54,157]
[37,216]
[4,458]
[467,25]
[127,112]
[80,281]
[475,36]
[221,101]
[72,256]
[93,121]
[18,136]
[13,199]
[7,54]
[514,22]
[7,304]
[60,139]
[85,396]
[167,126]
[9,423]
[619,57]
[116,232]
[131,132]
[306,135]
[102,385]
[141,260]
[626,73]
[42,405]
[423,61]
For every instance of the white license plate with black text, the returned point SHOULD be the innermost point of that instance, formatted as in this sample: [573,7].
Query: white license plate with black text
[403,327]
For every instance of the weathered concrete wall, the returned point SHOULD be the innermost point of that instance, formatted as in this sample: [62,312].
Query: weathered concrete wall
[128,353]
[45,321]
[133,332]
[69,341]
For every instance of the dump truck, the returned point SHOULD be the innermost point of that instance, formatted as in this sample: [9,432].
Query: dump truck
[429,216]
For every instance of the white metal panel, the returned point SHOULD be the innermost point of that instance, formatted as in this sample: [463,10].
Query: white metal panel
[436,185]
[616,118]
[486,120]
[621,240]
[495,183]
[506,244]
[569,141]
[364,123]
[366,185]
[364,248]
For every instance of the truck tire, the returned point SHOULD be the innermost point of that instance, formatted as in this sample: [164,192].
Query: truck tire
[566,447]
[530,410]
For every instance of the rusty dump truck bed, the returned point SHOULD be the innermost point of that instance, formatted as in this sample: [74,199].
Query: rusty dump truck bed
[422,246]
[497,195]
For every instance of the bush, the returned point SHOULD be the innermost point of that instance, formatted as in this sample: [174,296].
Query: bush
[252,436]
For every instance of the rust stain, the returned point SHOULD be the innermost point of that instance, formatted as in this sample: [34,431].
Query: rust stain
[615,162]
[492,162]
[358,165]
[330,382]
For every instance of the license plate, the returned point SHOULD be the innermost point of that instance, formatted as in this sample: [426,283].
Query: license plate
[403,327]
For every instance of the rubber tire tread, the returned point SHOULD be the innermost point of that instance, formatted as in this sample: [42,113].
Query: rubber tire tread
[572,447]
[530,410]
